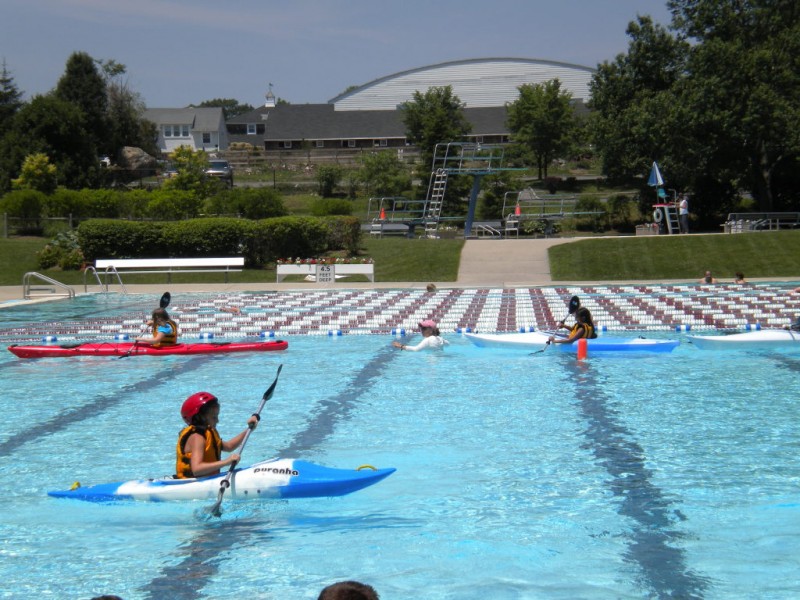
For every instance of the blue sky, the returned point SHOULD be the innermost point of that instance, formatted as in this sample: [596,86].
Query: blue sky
[179,52]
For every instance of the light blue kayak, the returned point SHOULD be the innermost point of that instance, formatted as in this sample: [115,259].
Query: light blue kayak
[270,479]
[536,340]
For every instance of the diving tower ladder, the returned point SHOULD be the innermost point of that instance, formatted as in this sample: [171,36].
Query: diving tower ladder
[434,201]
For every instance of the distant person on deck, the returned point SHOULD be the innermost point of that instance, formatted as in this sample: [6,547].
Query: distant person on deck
[683,213]
[583,328]
[164,330]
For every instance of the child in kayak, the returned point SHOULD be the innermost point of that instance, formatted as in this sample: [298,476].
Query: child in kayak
[199,448]
[583,328]
[165,330]
[431,338]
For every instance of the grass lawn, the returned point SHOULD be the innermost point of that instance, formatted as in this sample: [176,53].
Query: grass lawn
[763,254]
[653,258]
[396,259]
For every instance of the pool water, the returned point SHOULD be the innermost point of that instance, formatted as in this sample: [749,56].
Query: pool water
[518,475]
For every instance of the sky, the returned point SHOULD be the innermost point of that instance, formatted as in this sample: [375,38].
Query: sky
[181,52]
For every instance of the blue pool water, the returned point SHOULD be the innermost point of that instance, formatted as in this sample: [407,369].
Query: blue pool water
[518,476]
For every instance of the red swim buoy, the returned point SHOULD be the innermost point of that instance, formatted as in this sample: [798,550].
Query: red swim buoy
[583,348]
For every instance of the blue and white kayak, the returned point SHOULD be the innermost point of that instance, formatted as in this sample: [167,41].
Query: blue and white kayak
[766,338]
[536,340]
[270,479]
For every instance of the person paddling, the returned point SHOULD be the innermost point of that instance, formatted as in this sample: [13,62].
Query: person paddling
[583,328]
[164,330]
[199,449]
[431,338]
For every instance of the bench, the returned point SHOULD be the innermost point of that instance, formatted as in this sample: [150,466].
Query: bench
[310,270]
[169,266]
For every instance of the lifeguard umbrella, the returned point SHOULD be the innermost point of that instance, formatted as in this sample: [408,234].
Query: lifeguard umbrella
[655,179]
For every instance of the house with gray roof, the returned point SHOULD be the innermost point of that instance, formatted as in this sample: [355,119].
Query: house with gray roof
[197,128]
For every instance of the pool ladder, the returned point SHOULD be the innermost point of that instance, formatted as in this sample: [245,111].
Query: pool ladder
[52,286]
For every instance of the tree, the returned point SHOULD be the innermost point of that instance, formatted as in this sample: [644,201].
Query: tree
[384,174]
[435,117]
[10,99]
[742,92]
[327,178]
[37,174]
[543,121]
[230,107]
[84,86]
[633,100]
[126,127]
[191,166]
[54,127]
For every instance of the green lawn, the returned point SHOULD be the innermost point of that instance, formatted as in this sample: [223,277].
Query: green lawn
[764,254]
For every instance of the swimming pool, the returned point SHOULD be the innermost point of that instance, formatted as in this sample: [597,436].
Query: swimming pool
[518,476]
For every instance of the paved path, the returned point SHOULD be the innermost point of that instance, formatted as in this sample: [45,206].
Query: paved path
[506,263]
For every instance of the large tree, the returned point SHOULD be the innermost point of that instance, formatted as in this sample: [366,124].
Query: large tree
[84,86]
[53,127]
[126,126]
[742,93]
[10,98]
[543,121]
[633,100]
[434,117]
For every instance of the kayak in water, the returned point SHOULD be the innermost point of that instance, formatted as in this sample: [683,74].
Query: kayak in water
[269,479]
[134,349]
[536,340]
[766,338]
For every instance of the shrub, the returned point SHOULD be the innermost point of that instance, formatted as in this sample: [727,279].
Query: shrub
[327,178]
[172,204]
[110,238]
[25,205]
[62,251]
[206,237]
[250,203]
[323,207]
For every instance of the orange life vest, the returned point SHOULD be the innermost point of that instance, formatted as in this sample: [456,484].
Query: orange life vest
[170,339]
[211,453]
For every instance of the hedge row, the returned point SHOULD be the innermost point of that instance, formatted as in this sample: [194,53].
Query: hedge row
[251,203]
[260,242]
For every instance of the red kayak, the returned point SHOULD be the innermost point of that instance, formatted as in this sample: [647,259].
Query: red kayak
[124,348]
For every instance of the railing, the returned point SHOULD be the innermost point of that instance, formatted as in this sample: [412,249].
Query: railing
[766,221]
[51,288]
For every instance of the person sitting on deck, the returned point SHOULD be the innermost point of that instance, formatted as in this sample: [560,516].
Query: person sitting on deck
[199,448]
[165,330]
[583,328]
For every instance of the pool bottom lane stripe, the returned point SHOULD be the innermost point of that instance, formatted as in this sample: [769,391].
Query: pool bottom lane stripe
[202,556]
[653,544]
[93,407]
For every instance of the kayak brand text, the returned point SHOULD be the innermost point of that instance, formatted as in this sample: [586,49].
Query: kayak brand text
[284,471]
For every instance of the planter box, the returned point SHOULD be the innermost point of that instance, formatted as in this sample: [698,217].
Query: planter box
[310,271]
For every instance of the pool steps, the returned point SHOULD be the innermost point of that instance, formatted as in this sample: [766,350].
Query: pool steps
[385,311]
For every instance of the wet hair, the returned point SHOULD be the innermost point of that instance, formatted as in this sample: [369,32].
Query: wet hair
[348,590]
[160,314]
[585,315]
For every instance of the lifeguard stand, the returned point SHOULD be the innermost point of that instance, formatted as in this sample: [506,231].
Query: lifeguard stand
[459,158]
[665,213]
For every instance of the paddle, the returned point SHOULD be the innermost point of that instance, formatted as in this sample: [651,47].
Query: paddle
[215,511]
[574,304]
[163,303]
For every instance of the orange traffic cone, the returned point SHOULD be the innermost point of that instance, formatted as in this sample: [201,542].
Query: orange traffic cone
[383,214]
[517,211]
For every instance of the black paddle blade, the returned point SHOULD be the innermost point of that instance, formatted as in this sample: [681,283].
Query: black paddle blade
[165,300]
[268,394]
[574,304]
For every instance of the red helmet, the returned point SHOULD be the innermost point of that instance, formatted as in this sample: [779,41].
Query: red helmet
[192,405]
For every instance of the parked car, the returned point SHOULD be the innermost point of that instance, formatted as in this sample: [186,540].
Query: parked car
[221,169]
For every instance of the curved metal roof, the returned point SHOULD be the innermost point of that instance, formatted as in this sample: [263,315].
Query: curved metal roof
[481,82]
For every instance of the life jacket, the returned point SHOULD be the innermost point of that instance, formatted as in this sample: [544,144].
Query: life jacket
[211,453]
[588,330]
[170,339]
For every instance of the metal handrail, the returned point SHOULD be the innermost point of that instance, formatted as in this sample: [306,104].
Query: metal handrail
[26,286]
[103,286]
